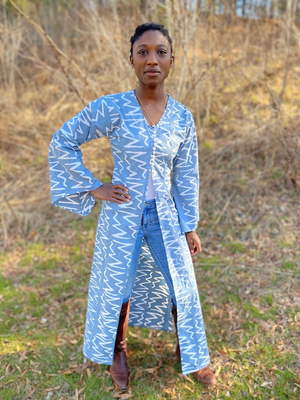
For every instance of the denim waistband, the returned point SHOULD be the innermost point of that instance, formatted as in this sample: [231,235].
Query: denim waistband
[150,202]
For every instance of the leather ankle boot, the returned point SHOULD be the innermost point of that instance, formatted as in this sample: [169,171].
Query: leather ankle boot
[203,375]
[119,369]
[174,312]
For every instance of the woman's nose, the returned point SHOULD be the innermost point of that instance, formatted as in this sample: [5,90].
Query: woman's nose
[152,59]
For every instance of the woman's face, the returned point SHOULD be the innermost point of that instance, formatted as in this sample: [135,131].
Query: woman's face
[151,58]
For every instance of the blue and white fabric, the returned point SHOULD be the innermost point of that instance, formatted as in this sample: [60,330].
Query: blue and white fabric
[170,150]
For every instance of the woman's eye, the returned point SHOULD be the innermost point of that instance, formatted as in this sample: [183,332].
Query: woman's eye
[142,52]
[162,52]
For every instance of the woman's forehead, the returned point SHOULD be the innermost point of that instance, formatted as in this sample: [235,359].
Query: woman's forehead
[152,38]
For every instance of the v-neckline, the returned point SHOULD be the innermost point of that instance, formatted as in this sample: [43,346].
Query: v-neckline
[162,116]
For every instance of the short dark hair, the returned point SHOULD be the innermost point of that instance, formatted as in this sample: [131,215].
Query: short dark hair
[150,26]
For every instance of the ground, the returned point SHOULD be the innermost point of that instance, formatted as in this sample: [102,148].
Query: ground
[250,298]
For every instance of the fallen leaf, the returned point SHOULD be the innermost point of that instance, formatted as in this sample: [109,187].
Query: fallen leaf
[36,371]
[133,335]
[88,372]
[6,383]
[218,370]
[151,370]
[122,395]
[139,373]
[168,391]
[266,384]
[66,372]
[223,356]
[169,369]
[59,350]
[24,372]
[31,393]
[188,379]
[52,389]
[188,388]
[23,356]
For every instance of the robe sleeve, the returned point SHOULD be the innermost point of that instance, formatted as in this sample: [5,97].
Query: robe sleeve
[70,180]
[185,181]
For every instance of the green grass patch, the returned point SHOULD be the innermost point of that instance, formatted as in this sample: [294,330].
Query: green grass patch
[207,263]
[256,313]
[235,247]
[267,300]
[49,263]
[277,173]
[207,147]
[231,297]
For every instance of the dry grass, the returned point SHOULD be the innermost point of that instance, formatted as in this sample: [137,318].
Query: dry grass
[241,84]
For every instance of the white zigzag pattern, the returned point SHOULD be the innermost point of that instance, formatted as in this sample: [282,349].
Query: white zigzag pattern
[171,145]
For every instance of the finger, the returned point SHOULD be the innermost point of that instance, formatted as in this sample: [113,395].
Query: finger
[121,187]
[119,198]
[116,200]
[191,245]
[121,192]
[197,251]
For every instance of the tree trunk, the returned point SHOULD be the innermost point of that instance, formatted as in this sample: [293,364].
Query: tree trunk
[244,8]
[144,6]
[229,10]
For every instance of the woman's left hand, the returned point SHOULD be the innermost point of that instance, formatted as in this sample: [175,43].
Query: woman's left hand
[194,243]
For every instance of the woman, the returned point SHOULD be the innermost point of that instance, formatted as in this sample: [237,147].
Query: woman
[146,230]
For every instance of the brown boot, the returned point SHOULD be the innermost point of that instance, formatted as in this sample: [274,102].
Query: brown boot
[203,375]
[119,369]
[174,312]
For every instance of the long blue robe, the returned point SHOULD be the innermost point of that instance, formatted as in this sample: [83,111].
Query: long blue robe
[170,149]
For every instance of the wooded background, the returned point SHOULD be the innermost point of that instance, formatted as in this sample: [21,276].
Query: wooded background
[236,67]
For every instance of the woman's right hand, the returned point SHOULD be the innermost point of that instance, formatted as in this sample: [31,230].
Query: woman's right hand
[110,192]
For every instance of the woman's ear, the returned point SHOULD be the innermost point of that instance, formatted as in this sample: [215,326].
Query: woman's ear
[131,61]
[172,61]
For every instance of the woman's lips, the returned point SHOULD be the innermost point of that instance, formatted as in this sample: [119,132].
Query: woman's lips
[152,73]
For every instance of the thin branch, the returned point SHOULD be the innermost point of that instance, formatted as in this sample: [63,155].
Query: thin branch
[44,35]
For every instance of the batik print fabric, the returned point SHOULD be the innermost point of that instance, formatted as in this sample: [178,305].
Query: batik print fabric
[136,146]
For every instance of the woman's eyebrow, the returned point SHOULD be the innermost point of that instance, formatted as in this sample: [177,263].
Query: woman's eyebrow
[146,45]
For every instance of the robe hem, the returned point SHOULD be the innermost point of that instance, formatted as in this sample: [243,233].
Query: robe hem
[191,370]
[91,358]
[156,328]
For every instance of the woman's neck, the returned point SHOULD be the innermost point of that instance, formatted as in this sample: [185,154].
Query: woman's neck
[150,94]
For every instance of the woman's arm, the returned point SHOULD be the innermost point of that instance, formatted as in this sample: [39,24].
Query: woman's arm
[71,182]
[185,186]
[185,181]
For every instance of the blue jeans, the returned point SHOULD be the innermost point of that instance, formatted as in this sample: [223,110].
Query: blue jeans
[150,229]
